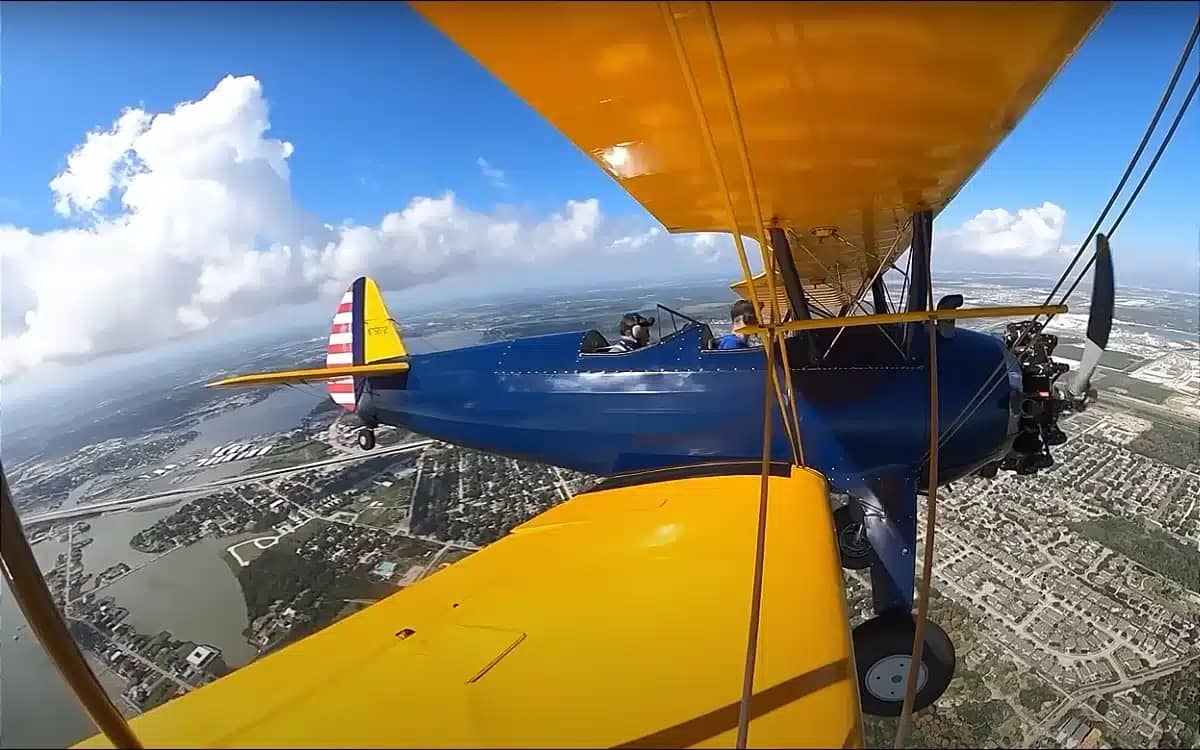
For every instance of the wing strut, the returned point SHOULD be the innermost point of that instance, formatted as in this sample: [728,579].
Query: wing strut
[33,596]
[924,220]
[787,407]
[710,22]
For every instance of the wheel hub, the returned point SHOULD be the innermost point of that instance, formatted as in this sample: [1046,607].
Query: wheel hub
[886,677]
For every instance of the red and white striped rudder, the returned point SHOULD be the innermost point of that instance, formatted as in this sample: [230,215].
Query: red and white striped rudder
[341,351]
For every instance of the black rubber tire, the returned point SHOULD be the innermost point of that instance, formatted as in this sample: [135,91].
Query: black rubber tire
[844,528]
[366,438]
[891,635]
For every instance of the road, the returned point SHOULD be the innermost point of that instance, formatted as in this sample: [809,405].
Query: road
[130,503]
[561,484]
[1068,697]
[1107,687]
[134,655]
[310,514]
[432,561]
[1108,396]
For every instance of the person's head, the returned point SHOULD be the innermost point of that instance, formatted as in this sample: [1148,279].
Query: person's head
[741,313]
[636,327]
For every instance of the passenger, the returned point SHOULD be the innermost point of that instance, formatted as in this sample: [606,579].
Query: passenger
[635,333]
[742,315]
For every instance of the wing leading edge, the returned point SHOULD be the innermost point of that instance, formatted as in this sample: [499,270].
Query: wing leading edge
[615,619]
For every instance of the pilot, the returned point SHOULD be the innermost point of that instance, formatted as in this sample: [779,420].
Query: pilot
[742,315]
[635,333]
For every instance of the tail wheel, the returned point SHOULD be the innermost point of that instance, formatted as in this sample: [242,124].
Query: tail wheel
[366,438]
[854,548]
[882,654]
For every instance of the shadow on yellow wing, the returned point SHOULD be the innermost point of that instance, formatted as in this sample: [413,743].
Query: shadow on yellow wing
[618,618]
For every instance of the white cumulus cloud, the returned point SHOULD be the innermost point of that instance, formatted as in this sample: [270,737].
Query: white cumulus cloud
[184,220]
[1028,233]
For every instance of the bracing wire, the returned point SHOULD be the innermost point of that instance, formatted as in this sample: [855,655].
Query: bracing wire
[33,596]
[905,724]
[1133,160]
[904,286]
[760,549]
[1141,183]
[990,382]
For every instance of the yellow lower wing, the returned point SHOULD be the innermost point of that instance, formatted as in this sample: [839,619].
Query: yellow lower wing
[616,619]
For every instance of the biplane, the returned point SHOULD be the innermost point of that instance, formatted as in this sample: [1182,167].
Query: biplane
[694,596]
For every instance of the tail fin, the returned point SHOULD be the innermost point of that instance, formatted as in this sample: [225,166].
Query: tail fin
[362,333]
[363,341]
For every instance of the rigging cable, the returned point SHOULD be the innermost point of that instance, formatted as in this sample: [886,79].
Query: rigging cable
[914,664]
[1137,154]
[769,386]
[1129,204]
[990,382]
[905,723]
[33,596]
[710,21]
[764,247]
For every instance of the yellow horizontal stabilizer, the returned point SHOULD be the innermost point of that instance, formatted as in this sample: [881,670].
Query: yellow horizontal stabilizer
[616,619]
[316,374]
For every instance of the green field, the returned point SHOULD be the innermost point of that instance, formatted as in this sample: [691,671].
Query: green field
[1115,360]
[1155,549]
[1121,383]
[1178,446]
[293,453]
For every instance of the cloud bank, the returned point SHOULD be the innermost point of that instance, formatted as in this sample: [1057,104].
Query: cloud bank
[185,220]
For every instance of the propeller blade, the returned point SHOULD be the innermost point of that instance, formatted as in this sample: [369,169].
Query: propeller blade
[1099,319]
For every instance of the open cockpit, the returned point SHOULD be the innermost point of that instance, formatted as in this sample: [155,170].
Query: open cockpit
[680,324]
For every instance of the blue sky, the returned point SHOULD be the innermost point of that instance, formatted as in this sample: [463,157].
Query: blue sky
[380,108]
[1074,143]
[383,107]
[380,105]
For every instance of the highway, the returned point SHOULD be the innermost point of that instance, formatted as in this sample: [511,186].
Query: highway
[1137,404]
[1108,686]
[155,498]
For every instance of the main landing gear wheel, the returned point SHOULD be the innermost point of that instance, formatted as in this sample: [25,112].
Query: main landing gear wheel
[366,438]
[882,653]
[854,548]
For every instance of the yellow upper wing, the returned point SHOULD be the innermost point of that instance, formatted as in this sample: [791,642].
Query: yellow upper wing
[855,114]
[617,618]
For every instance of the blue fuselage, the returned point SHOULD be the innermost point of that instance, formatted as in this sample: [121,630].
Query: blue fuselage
[862,407]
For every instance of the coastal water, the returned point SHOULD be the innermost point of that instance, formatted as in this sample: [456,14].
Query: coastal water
[282,410]
[190,591]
